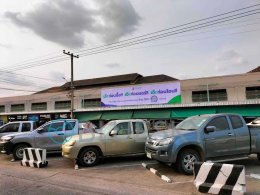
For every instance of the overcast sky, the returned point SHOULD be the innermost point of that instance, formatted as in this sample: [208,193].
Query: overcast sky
[33,30]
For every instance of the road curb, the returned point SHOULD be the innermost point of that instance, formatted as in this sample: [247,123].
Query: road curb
[154,171]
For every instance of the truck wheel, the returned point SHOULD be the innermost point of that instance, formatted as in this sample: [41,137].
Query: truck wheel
[88,157]
[186,159]
[18,151]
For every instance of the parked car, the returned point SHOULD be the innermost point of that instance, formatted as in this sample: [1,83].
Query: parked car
[255,122]
[217,137]
[116,138]
[17,127]
[82,126]
[49,136]
[160,125]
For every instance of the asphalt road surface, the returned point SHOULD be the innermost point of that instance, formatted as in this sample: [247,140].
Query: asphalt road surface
[112,176]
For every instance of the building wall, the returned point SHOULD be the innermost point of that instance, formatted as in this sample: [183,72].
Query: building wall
[234,84]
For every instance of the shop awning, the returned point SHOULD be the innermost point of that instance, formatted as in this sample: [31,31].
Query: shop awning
[152,114]
[187,112]
[242,110]
[88,116]
[110,115]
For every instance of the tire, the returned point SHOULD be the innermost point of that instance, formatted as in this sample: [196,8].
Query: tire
[89,157]
[186,159]
[258,157]
[18,151]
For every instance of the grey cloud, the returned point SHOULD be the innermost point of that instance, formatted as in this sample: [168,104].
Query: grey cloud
[55,75]
[13,79]
[65,21]
[119,19]
[113,65]
[231,61]
[7,46]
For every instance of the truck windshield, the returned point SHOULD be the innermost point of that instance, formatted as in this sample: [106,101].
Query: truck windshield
[107,127]
[192,123]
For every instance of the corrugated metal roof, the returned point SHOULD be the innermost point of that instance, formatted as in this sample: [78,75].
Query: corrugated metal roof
[255,70]
[155,79]
[126,79]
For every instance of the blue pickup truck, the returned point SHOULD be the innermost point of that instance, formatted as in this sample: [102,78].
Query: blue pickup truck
[216,137]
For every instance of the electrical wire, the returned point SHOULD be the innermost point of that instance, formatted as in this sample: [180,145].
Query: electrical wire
[21,83]
[156,37]
[11,89]
[191,40]
[56,59]
[174,27]
[41,78]
[138,40]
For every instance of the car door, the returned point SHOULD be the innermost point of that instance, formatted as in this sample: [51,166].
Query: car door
[9,129]
[221,142]
[242,135]
[51,136]
[139,137]
[122,141]
[70,128]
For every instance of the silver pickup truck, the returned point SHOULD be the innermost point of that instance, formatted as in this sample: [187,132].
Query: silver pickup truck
[217,137]
[49,136]
[116,138]
[17,127]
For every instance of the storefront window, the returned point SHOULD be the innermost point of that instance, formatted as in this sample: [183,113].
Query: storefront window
[17,107]
[2,108]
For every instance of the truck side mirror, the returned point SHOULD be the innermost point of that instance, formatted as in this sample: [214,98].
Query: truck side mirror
[210,129]
[113,132]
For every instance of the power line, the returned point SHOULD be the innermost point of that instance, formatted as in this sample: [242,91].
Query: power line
[10,89]
[157,37]
[146,39]
[35,62]
[41,78]
[130,44]
[167,44]
[218,29]
[163,30]
[20,83]
[191,40]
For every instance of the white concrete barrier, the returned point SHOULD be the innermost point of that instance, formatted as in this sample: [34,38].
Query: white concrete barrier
[154,171]
[216,178]
[34,157]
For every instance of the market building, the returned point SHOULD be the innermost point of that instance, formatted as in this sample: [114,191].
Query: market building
[238,93]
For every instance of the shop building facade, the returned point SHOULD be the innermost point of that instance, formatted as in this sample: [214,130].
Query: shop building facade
[232,93]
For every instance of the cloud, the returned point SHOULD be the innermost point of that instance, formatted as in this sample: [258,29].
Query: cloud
[65,21]
[117,19]
[13,79]
[231,61]
[7,46]
[55,75]
[113,65]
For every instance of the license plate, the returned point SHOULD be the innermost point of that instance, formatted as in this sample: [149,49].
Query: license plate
[149,155]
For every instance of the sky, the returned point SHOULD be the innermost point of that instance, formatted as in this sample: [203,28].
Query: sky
[34,33]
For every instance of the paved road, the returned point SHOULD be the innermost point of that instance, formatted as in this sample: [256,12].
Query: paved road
[112,176]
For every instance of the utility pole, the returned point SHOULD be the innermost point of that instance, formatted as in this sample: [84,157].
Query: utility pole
[72,56]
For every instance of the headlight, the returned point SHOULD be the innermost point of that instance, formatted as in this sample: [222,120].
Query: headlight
[70,143]
[164,142]
[7,138]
